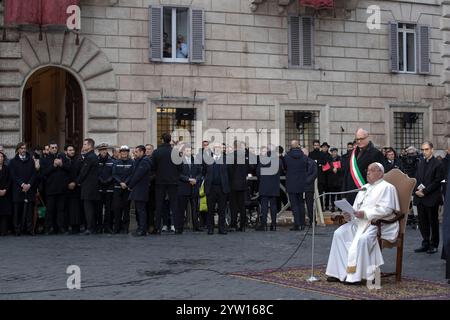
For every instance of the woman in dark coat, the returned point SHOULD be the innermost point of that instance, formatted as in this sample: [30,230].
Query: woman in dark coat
[5,199]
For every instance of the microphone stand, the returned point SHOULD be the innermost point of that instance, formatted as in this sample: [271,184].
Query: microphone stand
[313,278]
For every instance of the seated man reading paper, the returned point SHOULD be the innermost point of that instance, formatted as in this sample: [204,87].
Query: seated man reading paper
[355,252]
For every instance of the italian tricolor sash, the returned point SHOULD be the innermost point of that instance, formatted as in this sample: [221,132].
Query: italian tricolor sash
[354,170]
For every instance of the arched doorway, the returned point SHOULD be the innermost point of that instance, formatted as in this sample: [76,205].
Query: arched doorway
[52,108]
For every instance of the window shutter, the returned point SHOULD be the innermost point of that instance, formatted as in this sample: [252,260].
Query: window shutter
[393,45]
[197,43]
[155,33]
[301,42]
[423,45]
[307,35]
[294,41]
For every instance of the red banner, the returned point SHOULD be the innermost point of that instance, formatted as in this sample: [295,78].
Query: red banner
[41,12]
[317,4]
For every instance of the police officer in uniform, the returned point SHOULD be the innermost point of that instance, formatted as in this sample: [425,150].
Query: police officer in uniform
[122,170]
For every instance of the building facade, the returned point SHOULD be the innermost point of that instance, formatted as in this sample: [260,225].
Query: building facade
[235,64]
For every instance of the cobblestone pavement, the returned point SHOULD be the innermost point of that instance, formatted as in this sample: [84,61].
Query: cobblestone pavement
[188,266]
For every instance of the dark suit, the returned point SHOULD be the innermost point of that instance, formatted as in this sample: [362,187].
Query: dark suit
[392,164]
[188,193]
[295,166]
[23,172]
[73,197]
[446,227]
[238,169]
[139,190]
[217,188]
[56,181]
[88,181]
[321,159]
[5,200]
[430,174]
[106,189]
[151,204]
[167,175]
[311,175]
[269,187]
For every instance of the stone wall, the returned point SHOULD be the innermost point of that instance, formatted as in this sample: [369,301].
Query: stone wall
[245,79]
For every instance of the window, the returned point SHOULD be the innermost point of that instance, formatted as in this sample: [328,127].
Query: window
[303,126]
[301,42]
[408,130]
[178,120]
[406,47]
[410,49]
[176,34]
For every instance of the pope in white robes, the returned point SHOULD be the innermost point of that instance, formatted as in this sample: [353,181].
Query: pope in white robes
[355,253]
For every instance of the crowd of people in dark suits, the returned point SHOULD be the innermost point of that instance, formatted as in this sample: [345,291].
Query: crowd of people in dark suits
[94,192]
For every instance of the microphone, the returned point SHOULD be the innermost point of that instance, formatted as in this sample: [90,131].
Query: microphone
[341,192]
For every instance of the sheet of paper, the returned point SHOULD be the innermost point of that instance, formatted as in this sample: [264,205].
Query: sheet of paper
[345,206]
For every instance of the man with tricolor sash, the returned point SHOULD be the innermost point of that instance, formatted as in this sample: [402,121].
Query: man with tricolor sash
[355,172]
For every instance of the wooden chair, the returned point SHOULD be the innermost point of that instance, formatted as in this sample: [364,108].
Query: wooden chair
[405,187]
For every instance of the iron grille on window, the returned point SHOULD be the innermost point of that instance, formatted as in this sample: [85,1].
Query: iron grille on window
[303,126]
[408,130]
[171,119]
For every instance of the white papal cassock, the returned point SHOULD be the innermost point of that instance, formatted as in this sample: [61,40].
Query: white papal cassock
[355,252]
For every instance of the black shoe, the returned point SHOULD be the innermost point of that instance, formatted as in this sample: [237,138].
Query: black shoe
[178,231]
[107,230]
[357,283]
[140,234]
[261,228]
[432,250]
[86,233]
[333,279]
[197,230]
[273,228]
[421,249]
[295,228]
[222,232]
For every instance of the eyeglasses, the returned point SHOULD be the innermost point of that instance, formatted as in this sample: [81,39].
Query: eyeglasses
[361,139]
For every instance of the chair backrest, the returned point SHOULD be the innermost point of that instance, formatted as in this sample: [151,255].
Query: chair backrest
[405,186]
